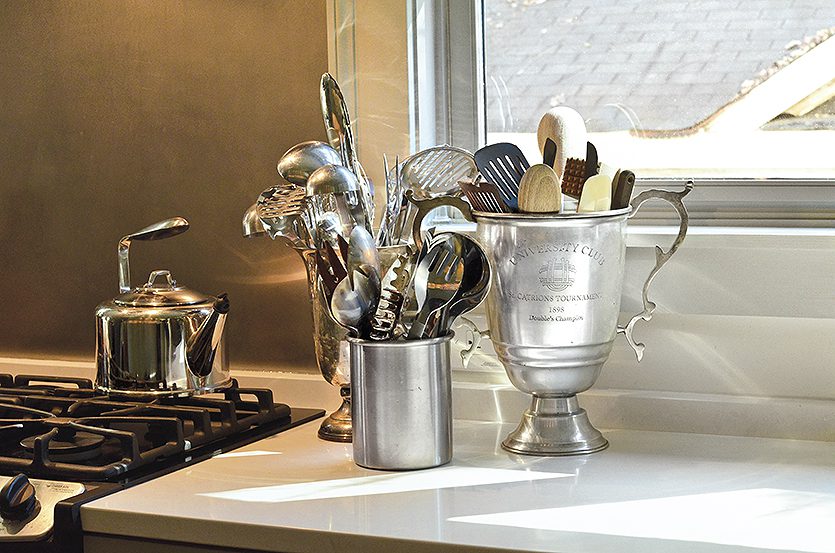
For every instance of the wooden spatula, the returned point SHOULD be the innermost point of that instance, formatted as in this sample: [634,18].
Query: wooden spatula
[565,126]
[539,191]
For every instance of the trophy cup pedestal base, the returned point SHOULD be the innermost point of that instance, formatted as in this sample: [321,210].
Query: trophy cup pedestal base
[337,426]
[555,426]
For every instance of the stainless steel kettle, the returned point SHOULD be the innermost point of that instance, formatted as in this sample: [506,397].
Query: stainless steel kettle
[160,338]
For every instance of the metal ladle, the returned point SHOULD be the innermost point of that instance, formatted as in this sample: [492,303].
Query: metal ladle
[338,185]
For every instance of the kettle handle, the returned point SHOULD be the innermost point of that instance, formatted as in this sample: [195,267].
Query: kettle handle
[661,257]
[157,231]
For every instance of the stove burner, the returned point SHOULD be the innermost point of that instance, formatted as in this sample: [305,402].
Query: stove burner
[69,445]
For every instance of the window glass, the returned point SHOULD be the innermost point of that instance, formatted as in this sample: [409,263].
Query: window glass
[671,87]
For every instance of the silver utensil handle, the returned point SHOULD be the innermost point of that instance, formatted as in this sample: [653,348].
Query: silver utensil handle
[477,335]
[425,205]
[661,256]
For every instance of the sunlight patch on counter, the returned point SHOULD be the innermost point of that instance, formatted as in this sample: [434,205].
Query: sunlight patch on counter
[765,518]
[232,454]
[449,477]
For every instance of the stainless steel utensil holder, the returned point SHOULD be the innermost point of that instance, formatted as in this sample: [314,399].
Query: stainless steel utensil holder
[402,403]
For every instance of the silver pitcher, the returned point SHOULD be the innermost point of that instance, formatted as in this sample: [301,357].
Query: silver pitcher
[553,311]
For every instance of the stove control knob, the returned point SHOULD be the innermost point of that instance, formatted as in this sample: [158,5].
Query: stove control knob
[17,498]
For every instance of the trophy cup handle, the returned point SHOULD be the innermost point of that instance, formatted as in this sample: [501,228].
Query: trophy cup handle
[425,205]
[661,257]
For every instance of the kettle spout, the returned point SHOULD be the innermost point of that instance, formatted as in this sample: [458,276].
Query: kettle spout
[202,345]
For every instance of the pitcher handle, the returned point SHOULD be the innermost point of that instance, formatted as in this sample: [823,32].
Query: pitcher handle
[661,257]
[425,205]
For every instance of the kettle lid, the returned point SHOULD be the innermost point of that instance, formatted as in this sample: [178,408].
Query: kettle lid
[165,294]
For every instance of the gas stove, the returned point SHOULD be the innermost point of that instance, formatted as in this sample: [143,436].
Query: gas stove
[62,444]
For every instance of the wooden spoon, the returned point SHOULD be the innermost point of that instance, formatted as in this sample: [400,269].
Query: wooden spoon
[539,190]
[567,129]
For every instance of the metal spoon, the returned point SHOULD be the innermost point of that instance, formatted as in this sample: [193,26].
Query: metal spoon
[300,161]
[353,306]
[474,286]
[331,179]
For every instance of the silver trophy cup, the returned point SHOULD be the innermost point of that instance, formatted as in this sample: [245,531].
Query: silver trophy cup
[553,311]
[331,348]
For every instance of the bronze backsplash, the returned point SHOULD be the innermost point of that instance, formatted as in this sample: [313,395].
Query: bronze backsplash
[117,114]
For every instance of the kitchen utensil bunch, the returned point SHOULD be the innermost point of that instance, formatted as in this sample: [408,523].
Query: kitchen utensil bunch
[419,295]
[569,167]
[324,203]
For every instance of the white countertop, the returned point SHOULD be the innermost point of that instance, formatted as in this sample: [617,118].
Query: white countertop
[649,492]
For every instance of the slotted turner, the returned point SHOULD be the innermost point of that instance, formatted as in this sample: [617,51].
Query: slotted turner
[503,164]
[280,201]
[280,209]
[484,196]
[436,171]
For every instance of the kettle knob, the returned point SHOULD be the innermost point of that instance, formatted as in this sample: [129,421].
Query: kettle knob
[17,498]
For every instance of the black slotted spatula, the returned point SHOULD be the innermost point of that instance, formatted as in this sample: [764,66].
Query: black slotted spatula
[503,164]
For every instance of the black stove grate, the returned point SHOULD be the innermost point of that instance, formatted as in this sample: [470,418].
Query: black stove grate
[61,428]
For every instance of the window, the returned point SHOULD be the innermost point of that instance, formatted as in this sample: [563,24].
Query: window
[671,88]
